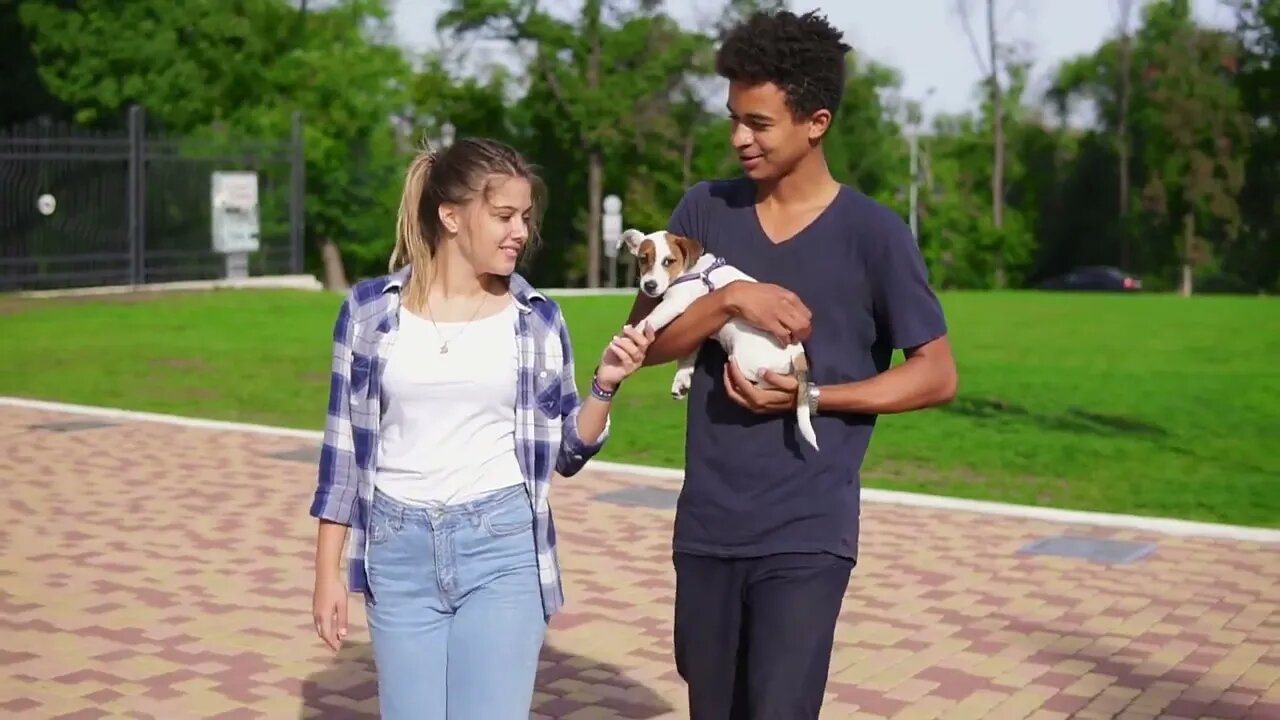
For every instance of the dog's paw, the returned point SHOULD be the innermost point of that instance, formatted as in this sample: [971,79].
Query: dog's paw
[680,387]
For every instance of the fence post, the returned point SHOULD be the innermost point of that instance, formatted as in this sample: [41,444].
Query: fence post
[137,195]
[297,196]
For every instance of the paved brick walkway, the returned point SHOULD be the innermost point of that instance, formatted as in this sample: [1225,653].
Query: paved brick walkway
[157,571]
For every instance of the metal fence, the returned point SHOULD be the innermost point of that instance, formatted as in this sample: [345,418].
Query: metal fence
[81,207]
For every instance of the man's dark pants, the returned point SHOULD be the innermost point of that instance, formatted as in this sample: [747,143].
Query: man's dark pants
[753,636]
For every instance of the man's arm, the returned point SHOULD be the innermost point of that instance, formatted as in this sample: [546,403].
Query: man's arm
[907,315]
[771,308]
[926,379]
[686,333]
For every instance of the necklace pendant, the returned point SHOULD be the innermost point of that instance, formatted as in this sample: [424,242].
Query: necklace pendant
[444,348]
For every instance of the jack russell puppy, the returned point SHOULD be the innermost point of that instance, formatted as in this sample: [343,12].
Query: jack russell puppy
[678,270]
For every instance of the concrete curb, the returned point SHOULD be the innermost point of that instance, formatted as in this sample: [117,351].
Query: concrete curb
[1164,526]
[276,282]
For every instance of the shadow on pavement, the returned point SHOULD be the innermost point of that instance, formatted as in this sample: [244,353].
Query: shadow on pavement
[1180,688]
[342,690]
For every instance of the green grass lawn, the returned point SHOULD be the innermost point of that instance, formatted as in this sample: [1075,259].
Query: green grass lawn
[1146,404]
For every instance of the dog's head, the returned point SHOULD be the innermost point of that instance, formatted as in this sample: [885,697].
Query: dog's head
[663,257]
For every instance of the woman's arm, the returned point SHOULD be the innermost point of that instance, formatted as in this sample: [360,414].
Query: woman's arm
[335,494]
[586,422]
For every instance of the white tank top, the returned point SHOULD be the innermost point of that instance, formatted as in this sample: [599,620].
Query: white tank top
[448,423]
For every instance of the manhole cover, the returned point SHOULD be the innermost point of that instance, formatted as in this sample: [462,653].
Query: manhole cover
[302,454]
[641,496]
[1117,552]
[73,425]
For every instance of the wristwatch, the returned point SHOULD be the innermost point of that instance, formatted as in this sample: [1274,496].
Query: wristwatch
[811,389]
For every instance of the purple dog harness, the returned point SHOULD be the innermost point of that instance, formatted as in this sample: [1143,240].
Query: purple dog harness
[704,275]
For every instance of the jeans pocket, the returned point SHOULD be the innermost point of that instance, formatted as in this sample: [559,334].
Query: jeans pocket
[381,529]
[510,518]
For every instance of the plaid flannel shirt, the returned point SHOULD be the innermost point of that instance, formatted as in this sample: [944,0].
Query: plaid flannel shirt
[546,418]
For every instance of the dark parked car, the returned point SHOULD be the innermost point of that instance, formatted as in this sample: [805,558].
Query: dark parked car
[1100,278]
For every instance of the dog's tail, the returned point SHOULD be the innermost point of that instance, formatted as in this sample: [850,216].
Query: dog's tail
[804,420]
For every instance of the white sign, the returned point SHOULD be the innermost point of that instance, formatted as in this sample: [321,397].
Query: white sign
[611,226]
[46,204]
[235,212]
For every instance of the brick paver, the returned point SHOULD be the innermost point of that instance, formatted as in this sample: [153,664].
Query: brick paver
[159,571]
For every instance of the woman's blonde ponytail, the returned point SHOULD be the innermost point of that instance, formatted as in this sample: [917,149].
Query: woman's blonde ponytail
[411,238]
[412,244]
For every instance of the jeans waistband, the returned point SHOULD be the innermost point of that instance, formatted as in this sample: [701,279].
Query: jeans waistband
[384,503]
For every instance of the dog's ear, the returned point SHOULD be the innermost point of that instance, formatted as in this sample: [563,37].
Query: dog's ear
[632,239]
[691,249]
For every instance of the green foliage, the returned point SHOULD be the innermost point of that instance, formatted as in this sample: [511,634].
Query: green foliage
[865,145]
[613,99]
[609,99]
[241,69]
[1191,136]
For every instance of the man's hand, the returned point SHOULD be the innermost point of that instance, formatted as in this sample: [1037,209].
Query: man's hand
[771,308]
[762,401]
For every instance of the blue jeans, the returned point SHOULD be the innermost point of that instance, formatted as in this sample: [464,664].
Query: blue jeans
[455,610]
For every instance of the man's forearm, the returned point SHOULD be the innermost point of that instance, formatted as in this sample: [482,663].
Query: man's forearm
[918,383]
[686,333]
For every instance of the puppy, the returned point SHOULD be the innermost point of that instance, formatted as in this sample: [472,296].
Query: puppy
[679,271]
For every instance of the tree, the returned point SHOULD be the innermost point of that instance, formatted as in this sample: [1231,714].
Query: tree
[866,146]
[961,234]
[1105,79]
[23,95]
[1124,10]
[176,61]
[990,64]
[1257,257]
[1200,132]
[735,11]
[651,57]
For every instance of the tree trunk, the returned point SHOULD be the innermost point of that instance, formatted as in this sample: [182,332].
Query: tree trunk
[1188,243]
[595,154]
[686,159]
[595,198]
[997,113]
[1122,129]
[335,274]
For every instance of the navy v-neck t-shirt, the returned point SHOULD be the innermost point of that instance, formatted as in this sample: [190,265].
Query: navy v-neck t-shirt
[752,486]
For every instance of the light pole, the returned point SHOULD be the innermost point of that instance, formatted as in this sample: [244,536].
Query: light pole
[611,233]
[913,140]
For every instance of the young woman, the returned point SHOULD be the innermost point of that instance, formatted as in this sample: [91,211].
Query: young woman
[451,405]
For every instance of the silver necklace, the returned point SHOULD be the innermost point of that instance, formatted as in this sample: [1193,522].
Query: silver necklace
[444,345]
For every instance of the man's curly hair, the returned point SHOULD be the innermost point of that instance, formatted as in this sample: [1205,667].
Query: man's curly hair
[802,54]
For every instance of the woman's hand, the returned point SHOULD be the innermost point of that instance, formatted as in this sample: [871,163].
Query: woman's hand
[624,355]
[329,609]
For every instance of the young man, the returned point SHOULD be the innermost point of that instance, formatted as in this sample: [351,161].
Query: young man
[766,530]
